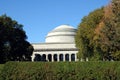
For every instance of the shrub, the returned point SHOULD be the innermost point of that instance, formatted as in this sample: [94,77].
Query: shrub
[61,71]
[1,67]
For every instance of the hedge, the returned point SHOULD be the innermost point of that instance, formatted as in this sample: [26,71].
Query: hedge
[1,67]
[61,71]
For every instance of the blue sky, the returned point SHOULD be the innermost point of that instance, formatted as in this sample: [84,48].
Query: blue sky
[41,16]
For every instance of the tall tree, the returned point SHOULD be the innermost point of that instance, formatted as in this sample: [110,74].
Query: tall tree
[85,34]
[13,44]
[98,35]
[112,30]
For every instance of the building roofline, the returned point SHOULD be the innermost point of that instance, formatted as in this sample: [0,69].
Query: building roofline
[53,43]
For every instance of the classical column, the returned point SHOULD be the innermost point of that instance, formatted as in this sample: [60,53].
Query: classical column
[70,57]
[33,57]
[47,57]
[63,57]
[75,57]
[58,57]
[52,57]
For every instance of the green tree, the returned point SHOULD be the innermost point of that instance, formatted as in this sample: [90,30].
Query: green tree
[98,35]
[86,32]
[13,44]
[112,31]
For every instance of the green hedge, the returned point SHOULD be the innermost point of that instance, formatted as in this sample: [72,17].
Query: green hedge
[61,71]
[1,67]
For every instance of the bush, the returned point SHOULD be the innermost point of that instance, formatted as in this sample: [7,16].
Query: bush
[61,71]
[1,67]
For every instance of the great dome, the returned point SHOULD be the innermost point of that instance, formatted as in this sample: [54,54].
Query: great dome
[61,34]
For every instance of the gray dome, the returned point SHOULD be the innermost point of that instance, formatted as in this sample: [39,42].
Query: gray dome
[63,28]
[61,34]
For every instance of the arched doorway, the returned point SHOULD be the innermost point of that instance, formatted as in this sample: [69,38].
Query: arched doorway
[43,57]
[72,57]
[49,57]
[55,57]
[66,57]
[37,57]
[61,57]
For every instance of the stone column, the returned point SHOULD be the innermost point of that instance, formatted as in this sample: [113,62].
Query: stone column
[75,57]
[70,57]
[52,57]
[58,57]
[47,57]
[33,57]
[63,57]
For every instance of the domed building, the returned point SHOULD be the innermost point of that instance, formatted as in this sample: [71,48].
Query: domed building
[59,46]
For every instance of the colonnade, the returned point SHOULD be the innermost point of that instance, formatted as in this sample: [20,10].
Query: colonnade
[55,57]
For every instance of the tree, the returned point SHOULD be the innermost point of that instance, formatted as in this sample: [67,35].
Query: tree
[13,44]
[98,35]
[85,34]
[112,30]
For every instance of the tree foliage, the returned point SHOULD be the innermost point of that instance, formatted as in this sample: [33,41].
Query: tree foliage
[13,44]
[85,34]
[112,25]
[98,35]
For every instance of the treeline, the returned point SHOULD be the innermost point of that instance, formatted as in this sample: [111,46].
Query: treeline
[61,71]
[98,35]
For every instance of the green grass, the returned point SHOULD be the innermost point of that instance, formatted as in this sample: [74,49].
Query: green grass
[61,71]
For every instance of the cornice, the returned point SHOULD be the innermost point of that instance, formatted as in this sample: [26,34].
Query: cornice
[65,49]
